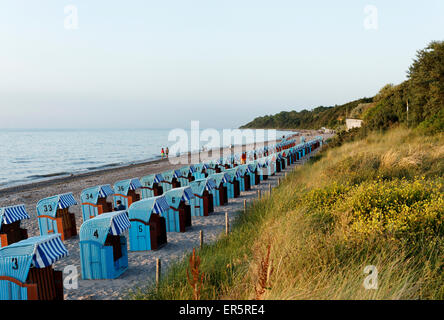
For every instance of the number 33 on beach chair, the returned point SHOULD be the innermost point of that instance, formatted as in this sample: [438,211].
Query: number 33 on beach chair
[26,271]
[10,231]
[103,250]
[54,216]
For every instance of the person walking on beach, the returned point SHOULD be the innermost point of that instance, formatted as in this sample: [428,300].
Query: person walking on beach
[167,151]
[119,206]
[162,153]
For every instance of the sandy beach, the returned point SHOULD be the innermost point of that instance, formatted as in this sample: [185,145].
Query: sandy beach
[142,264]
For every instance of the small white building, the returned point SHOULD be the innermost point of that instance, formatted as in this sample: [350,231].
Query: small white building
[353,123]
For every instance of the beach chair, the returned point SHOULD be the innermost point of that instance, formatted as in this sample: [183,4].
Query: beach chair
[220,179]
[178,216]
[93,201]
[10,219]
[244,177]
[200,171]
[126,191]
[202,205]
[186,175]
[233,183]
[253,173]
[103,250]
[151,186]
[26,271]
[170,180]
[148,226]
[54,217]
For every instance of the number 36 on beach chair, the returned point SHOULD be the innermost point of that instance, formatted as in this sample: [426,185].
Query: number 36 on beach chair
[125,191]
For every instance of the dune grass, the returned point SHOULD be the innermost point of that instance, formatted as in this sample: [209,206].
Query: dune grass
[377,201]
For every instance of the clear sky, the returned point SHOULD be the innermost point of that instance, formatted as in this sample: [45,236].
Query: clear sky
[160,64]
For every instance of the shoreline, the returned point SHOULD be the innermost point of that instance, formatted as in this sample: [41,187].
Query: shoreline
[69,177]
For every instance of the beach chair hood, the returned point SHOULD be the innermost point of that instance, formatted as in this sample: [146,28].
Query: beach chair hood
[98,228]
[170,175]
[175,196]
[92,195]
[185,171]
[199,186]
[39,252]
[233,173]
[143,209]
[220,178]
[122,187]
[12,214]
[149,181]
[49,206]
[199,167]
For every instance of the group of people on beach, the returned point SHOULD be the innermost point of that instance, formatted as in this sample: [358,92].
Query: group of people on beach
[164,153]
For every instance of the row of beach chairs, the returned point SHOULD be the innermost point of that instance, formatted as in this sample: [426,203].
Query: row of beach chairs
[155,205]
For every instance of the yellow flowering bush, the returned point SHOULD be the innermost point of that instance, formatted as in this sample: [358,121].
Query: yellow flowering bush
[397,208]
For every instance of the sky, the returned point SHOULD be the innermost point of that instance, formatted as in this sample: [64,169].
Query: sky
[161,64]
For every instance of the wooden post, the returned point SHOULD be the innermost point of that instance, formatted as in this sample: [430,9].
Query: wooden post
[201,238]
[279,181]
[158,271]
[245,205]
[269,188]
[227,223]
[259,193]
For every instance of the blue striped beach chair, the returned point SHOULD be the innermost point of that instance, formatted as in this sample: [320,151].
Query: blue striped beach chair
[151,186]
[54,217]
[202,204]
[200,171]
[10,219]
[148,226]
[186,175]
[221,190]
[103,249]
[170,180]
[233,183]
[253,173]
[26,271]
[93,201]
[178,216]
[125,191]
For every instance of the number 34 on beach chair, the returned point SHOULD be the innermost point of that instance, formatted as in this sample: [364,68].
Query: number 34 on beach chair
[94,201]
[26,271]
[54,216]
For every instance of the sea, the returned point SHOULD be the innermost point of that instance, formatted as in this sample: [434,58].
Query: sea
[36,155]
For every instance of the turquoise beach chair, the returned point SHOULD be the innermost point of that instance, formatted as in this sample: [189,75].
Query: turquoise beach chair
[93,201]
[148,226]
[103,248]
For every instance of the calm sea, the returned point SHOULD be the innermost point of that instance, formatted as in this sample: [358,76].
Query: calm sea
[32,155]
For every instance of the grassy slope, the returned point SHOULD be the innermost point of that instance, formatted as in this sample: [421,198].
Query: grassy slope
[376,201]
